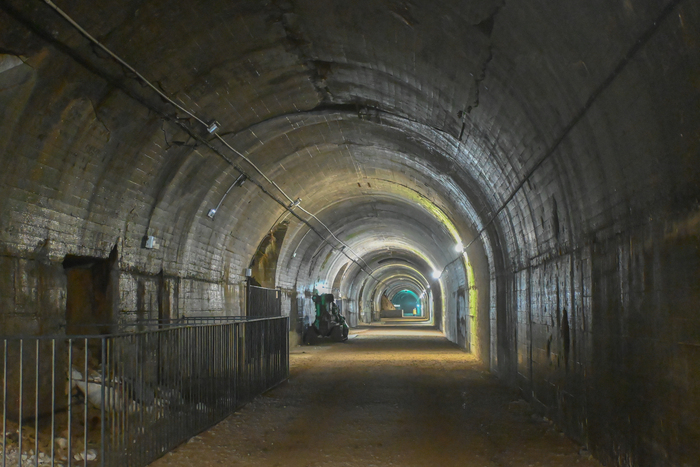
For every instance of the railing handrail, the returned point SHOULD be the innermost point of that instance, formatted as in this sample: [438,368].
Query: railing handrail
[264,288]
[144,331]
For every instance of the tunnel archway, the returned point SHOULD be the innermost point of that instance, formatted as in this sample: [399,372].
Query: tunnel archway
[408,302]
[557,144]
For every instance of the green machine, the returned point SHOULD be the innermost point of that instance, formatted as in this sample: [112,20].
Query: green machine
[329,323]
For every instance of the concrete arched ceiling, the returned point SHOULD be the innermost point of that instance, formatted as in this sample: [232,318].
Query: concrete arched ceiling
[444,100]
[375,223]
[482,115]
[402,264]
[290,108]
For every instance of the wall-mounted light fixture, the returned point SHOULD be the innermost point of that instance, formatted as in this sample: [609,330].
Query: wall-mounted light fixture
[150,243]
[437,274]
[213,126]
[459,247]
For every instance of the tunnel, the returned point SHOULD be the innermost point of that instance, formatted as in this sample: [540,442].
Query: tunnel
[529,172]
[407,301]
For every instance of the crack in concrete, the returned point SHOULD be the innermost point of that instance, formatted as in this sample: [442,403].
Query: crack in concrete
[604,85]
[9,61]
[183,123]
[173,137]
[99,120]
[486,28]
[165,136]
[363,112]
[282,12]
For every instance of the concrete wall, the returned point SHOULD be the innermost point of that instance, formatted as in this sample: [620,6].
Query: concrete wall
[603,330]
[32,296]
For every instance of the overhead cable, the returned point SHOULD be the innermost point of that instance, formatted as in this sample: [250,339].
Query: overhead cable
[212,128]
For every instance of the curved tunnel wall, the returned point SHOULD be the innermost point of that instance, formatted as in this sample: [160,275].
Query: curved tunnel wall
[566,135]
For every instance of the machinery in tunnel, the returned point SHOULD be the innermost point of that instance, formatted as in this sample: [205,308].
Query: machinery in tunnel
[329,324]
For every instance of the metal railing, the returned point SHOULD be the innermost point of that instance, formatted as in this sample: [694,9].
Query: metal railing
[127,399]
[152,324]
[263,302]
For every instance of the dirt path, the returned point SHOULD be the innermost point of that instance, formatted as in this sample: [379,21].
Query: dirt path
[406,399]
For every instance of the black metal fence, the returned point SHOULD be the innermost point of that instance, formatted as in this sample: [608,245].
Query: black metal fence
[263,302]
[126,399]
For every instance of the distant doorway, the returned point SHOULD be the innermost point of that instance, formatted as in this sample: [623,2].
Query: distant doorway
[461,320]
[92,293]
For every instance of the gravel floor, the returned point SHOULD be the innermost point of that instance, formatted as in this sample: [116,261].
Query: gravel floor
[402,398]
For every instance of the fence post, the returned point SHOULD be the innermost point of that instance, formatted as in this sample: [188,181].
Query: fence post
[247,297]
[103,398]
[279,302]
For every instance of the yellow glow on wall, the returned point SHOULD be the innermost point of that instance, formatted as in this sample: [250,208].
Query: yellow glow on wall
[473,305]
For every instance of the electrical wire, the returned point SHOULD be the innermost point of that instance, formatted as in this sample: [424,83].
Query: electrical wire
[238,153]
[122,62]
[336,238]
[212,128]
